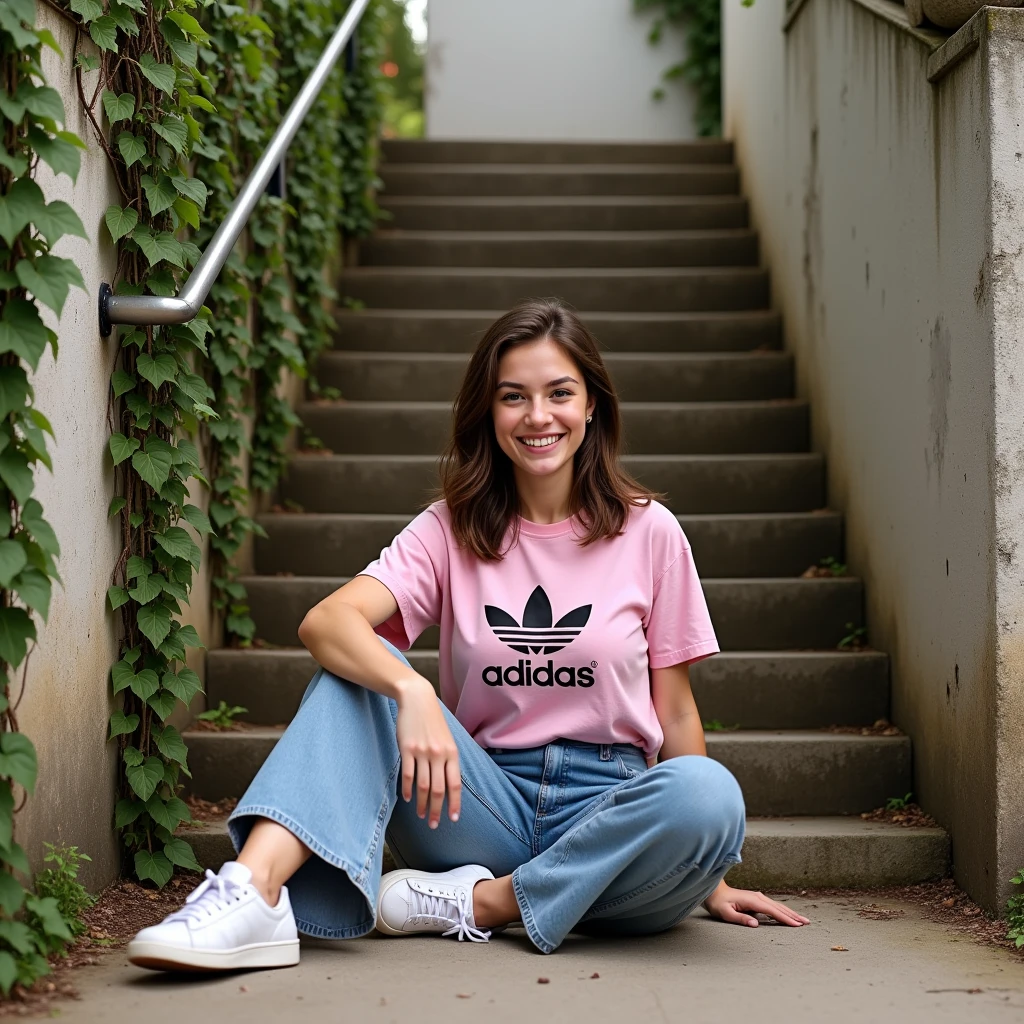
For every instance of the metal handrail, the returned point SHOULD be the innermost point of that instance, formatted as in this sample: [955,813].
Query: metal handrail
[179,309]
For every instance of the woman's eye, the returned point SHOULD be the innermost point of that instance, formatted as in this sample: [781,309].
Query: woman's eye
[510,394]
[562,393]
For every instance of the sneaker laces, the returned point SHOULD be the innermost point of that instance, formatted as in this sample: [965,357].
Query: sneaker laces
[214,893]
[437,910]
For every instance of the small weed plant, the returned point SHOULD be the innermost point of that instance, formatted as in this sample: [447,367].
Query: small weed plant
[61,883]
[714,725]
[1015,911]
[222,717]
[898,803]
[855,638]
[834,566]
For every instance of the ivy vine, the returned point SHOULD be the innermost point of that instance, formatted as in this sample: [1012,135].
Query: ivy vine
[702,65]
[149,89]
[31,277]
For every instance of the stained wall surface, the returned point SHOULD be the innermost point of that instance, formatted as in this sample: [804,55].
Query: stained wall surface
[551,69]
[891,216]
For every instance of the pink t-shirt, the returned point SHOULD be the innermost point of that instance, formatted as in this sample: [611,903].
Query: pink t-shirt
[556,640]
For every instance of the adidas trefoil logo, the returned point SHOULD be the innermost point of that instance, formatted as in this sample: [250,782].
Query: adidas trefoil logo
[537,635]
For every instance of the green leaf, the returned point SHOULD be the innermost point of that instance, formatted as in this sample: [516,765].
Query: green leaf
[131,148]
[144,778]
[14,390]
[16,472]
[179,852]
[19,208]
[120,221]
[154,866]
[157,370]
[163,76]
[160,245]
[35,590]
[43,102]
[18,935]
[122,724]
[187,211]
[145,589]
[47,910]
[104,33]
[153,464]
[32,517]
[176,542]
[59,152]
[188,24]
[118,108]
[189,637]
[127,811]
[186,453]
[16,629]
[174,132]
[191,188]
[117,596]
[58,219]
[133,757]
[122,382]
[88,9]
[168,741]
[121,675]
[49,278]
[22,331]
[122,447]
[163,703]
[160,194]
[8,966]
[137,567]
[132,655]
[199,521]
[18,758]
[185,685]
[11,898]
[154,622]
[12,560]
[145,684]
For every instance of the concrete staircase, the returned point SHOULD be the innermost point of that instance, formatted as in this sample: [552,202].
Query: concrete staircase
[652,243]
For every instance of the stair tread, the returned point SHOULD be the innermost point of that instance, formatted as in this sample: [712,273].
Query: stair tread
[371,405]
[526,272]
[559,168]
[462,358]
[596,236]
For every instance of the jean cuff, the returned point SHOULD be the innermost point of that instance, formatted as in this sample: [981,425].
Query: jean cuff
[528,919]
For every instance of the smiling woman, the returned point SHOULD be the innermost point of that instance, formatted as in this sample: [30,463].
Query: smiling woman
[537,391]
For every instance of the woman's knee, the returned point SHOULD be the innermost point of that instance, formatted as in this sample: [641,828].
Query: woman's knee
[700,795]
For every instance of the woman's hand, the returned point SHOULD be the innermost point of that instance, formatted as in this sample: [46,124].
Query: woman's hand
[428,752]
[728,904]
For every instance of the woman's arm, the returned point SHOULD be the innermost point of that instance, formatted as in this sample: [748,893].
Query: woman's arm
[338,632]
[684,734]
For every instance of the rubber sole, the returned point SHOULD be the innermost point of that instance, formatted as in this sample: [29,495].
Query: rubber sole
[159,956]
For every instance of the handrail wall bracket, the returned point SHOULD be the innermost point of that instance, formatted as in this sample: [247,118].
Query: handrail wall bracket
[151,310]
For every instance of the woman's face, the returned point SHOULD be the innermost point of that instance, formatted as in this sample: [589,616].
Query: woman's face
[540,407]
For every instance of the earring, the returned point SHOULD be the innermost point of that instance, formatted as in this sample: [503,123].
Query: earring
[589,418]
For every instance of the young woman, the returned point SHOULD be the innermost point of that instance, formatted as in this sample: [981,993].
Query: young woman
[566,745]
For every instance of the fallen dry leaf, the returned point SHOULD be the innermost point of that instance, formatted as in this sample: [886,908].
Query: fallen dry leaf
[463,995]
[243,988]
[543,981]
[840,949]
[595,975]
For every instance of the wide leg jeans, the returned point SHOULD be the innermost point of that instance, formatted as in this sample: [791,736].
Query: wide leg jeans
[595,840]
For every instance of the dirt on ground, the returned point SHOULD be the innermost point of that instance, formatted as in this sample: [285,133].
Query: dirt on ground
[882,727]
[910,816]
[210,810]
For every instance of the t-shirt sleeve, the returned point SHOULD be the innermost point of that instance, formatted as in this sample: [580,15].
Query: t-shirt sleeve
[678,626]
[413,567]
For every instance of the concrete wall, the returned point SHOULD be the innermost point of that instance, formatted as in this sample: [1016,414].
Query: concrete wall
[66,704]
[890,213]
[550,69]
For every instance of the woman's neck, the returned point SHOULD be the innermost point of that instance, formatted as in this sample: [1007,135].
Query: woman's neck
[545,500]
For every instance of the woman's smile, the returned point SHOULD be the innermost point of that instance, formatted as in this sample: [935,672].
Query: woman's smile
[538,444]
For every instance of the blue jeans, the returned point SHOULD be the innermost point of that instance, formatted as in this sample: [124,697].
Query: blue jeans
[594,840]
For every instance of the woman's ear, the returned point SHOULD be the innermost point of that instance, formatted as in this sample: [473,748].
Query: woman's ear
[591,405]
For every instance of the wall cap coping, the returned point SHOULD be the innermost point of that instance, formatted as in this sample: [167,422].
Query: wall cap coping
[945,51]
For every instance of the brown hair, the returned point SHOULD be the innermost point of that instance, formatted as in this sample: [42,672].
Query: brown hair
[477,481]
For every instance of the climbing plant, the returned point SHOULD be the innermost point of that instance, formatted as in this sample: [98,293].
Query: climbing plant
[31,279]
[702,65]
[148,90]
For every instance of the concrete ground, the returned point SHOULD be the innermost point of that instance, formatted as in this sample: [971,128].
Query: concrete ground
[903,970]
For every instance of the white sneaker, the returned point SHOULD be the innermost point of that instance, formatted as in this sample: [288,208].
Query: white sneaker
[413,901]
[225,925]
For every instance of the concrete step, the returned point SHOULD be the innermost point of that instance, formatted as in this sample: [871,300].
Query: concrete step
[752,689]
[457,330]
[650,289]
[340,544]
[781,773]
[694,484]
[638,377]
[748,614]
[733,247]
[649,428]
[452,151]
[778,853]
[563,213]
[623,179]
